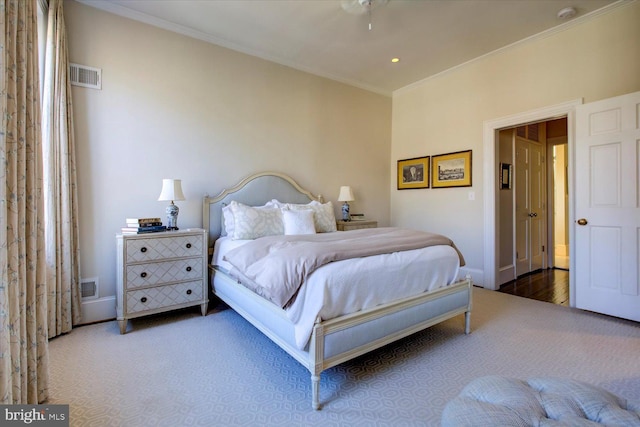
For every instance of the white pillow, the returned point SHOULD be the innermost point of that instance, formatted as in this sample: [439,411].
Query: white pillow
[253,222]
[275,203]
[228,225]
[323,215]
[298,221]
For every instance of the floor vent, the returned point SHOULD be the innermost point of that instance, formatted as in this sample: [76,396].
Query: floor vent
[89,288]
[82,75]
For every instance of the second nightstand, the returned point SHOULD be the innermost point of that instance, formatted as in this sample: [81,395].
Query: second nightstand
[356,225]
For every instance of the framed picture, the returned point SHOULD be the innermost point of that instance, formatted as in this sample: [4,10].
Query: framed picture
[413,173]
[505,176]
[451,170]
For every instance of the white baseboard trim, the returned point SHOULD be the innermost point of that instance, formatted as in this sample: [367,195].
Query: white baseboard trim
[507,274]
[98,310]
[477,276]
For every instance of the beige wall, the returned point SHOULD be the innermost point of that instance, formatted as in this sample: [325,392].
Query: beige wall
[175,107]
[596,59]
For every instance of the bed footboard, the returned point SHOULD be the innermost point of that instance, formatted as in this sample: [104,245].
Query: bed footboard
[338,340]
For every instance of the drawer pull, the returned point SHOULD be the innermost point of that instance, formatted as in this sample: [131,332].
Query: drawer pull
[143,249]
[188,245]
[189,268]
[188,291]
[143,274]
[143,299]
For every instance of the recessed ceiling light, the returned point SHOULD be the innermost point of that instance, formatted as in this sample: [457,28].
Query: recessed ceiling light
[394,60]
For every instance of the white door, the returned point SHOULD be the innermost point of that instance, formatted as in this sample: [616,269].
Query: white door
[538,206]
[607,230]
[530,206]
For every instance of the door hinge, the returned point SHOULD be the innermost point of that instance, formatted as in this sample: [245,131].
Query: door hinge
[542,248]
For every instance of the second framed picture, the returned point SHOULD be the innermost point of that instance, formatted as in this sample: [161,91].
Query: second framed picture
[451,170]
[413,173]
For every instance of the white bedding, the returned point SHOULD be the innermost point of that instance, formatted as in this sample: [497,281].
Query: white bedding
[347,286]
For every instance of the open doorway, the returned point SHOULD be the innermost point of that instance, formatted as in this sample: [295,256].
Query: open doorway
[533,202]
[523,230]
[491,128]
[533,237]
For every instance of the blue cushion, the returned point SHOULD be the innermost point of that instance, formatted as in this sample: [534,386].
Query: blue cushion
[500,401]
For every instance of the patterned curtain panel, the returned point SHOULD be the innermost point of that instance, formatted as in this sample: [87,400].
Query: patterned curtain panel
[60,194]
[24,357]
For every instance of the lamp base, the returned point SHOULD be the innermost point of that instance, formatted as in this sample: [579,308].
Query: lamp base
[172,216]
[345,212]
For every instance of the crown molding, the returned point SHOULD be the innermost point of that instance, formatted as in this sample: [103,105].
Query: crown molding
[125,12]
[536,37]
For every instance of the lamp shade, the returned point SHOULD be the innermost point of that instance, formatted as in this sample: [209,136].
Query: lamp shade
[171,190]
[346,195]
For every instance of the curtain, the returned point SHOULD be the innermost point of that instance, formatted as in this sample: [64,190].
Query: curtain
[60,192]
[24,357]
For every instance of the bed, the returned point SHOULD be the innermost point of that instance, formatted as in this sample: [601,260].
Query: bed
[325,340]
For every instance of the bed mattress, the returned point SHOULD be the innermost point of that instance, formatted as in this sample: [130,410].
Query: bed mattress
[348,286]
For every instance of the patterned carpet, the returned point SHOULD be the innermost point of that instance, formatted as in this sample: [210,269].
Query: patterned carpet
[182,369]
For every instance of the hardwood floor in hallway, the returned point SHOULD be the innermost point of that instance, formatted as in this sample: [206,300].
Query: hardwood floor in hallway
[550,285]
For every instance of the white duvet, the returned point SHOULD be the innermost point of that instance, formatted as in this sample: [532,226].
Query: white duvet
[347,286]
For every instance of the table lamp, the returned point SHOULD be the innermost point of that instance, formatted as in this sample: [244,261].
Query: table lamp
[346,195]
[171,190]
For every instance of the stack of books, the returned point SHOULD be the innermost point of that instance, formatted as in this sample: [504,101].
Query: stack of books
[143,225]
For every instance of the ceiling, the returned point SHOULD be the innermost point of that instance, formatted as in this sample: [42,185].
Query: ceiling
[331,38]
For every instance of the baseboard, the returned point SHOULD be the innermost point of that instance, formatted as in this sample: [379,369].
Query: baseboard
[98,310]
[506,274]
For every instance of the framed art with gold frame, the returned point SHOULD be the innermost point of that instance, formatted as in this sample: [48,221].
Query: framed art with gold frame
[451,170]
[413,173]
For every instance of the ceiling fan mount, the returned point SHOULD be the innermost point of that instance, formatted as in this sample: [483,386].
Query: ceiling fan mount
[359,7]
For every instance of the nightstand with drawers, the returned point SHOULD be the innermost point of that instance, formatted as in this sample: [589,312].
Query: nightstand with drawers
[356,224]
[159,272]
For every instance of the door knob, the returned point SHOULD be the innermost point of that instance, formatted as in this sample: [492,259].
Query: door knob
[582,221]
[533,215]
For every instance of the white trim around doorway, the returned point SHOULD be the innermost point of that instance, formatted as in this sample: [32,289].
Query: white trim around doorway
[490,135]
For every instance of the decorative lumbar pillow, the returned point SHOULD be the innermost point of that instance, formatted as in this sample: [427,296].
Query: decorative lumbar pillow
[323,216]
[298,221]
[253,222]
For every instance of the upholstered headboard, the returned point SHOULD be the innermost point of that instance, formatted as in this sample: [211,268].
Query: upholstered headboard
[255,190]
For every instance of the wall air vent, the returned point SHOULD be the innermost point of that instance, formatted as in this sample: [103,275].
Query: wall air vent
[82,75]
[89,288]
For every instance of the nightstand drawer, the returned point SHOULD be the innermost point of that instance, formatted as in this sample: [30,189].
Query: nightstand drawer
[155,273]
[140,250]
[163,296]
